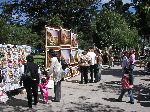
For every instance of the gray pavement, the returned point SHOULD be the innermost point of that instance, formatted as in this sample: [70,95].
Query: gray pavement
[91,97]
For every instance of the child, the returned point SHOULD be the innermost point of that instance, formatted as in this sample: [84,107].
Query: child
[44,89]
[127,85]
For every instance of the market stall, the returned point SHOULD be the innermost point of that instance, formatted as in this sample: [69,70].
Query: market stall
[12,58]
[65,43]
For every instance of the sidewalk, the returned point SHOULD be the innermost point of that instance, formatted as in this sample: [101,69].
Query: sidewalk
[91,97]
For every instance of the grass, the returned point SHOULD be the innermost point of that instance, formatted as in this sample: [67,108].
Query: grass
[39,59]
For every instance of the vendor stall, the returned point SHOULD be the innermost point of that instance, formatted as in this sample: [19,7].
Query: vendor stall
[12,59]
[65,43]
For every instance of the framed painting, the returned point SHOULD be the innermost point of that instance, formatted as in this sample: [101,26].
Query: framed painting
[65,53]
[74,42]
[65,37]
[74,55]
[52,36]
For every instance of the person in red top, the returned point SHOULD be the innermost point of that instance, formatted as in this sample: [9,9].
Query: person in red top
[127,85]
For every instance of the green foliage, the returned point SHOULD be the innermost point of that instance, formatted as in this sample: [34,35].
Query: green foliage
[20,35]
[114,26]
[112,29]
[142,8]
[39,59]
[55,21]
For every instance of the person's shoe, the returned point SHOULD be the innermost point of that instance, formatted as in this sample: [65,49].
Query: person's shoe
[55,100]
[80,82]
[95,81]
[119,100]
[91,81]
[131,102]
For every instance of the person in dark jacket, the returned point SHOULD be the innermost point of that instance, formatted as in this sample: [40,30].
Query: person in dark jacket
[31,82]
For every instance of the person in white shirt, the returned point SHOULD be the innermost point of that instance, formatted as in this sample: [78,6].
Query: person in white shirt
[57,71]
[92,56]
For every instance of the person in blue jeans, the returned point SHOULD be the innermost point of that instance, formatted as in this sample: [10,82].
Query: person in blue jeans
[127,86]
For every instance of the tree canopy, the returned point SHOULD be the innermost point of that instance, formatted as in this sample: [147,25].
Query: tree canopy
[111,24]
[113,30]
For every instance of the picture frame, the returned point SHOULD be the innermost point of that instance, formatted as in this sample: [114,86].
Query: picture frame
[65,37]
[74,42]
[52,37]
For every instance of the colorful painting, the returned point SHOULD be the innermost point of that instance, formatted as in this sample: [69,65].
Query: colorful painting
[74,42]
[65,53]
[52,36]
[74,54]
[65,37]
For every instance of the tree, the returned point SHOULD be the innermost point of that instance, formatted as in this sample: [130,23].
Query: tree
[14,34]
[142,8]
[3,31]
[112,29]
[72,14]
[21,35]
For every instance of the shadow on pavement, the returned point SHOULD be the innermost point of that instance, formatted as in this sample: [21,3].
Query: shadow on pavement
[111,99]
[41,98]
[73,81]
[112,86]
[92,107]
[142,95]
[146,79]
[119,73]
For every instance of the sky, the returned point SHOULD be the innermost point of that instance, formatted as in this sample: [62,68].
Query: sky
[124,1]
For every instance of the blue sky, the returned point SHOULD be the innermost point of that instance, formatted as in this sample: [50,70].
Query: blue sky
[124,1]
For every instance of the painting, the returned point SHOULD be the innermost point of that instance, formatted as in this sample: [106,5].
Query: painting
[52,36]
[74,42]
[65,53]
[65,37]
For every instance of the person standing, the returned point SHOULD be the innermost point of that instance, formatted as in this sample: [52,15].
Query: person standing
[111,59]
[31,81]
[84,61]
[98,65]
[127,86]
[92,56]
[125,61]
[132,62]
[58,73]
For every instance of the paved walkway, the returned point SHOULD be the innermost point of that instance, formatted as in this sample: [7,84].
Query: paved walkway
[91,97]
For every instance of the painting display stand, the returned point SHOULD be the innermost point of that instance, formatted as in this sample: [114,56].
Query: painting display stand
[65,43]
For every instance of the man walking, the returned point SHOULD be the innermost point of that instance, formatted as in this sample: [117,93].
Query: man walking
[92,56]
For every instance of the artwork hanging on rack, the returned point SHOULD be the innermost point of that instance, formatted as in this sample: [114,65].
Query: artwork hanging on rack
[65,53]
[74,42]
[52,36]
[74,54]
[65,37]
